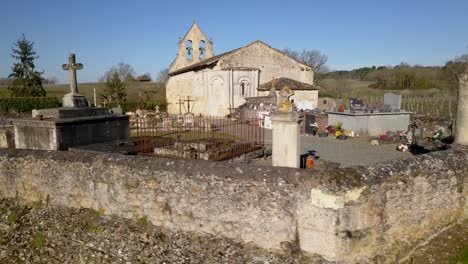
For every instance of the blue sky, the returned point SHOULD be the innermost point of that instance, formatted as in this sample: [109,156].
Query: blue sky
[145,33]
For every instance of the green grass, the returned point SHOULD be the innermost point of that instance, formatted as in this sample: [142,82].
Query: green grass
[135,91]
[461,257]
[39,240]
[142,221]
[13,217]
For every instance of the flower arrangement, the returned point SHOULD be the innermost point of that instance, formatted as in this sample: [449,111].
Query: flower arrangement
[339,126]
[402,147]
[349,133]
[337,133]
[383,137]
[314,127]
[330,130]
[438,134]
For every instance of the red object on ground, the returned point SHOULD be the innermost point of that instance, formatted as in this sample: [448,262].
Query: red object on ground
[309,162]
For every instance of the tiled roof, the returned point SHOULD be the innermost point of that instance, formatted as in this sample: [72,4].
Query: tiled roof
[202,64]
[293,84]
[207,62]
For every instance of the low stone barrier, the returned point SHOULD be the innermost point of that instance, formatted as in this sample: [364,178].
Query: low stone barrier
[352,215]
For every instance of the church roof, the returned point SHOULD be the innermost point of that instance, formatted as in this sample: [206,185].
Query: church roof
[212,60]
[202,64]
[293,84]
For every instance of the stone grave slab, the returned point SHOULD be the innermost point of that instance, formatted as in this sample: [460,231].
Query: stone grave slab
[392,101]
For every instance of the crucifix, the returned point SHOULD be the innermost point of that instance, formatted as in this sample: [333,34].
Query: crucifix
[72,66]
[180,103]
[188,100]
[73,99]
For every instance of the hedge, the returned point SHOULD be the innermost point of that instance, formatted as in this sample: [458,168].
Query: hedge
[133,106]
[26,104]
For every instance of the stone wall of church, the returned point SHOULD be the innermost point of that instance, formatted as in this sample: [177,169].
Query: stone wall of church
[270,62]
[214,91]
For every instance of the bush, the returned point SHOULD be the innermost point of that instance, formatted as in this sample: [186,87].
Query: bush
[133,106]
[26,104]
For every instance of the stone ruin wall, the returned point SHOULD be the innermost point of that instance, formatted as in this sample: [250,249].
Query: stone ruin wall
[353,215]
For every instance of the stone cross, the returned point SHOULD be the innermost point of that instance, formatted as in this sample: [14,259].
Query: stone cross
[72,66]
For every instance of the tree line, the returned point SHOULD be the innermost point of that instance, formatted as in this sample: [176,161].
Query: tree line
[405,76]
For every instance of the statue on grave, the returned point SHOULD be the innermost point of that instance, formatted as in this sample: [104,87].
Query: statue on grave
[284,105]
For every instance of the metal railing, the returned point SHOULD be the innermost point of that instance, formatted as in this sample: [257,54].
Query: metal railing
[197,137]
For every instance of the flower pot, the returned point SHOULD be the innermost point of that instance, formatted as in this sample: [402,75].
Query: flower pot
[323,134]
[342,137]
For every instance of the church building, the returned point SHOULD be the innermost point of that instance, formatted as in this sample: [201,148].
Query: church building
[218,84]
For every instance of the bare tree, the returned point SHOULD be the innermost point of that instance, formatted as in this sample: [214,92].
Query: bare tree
[313,58]
[163,76]
[125,72]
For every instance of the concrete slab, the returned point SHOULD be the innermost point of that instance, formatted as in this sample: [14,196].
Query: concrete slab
[371,124]
[71,112]
[61,134]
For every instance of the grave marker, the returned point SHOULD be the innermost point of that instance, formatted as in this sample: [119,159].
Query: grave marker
[73,99]
[392,101]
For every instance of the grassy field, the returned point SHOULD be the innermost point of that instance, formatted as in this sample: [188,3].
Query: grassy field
[357,88]
[135,92]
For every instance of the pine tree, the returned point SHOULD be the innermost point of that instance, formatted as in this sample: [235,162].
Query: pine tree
[27,82]
[115,89]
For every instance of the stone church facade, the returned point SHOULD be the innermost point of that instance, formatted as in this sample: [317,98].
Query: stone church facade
[220,83]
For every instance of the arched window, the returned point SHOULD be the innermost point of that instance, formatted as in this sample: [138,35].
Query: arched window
[189,48]
[202,49]
[242,86]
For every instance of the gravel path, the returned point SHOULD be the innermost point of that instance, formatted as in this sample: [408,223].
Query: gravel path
[356,151]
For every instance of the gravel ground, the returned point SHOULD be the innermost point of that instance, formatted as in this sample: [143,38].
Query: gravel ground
[350,152]
[356,151]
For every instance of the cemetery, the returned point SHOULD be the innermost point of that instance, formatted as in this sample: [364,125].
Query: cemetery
[273,175]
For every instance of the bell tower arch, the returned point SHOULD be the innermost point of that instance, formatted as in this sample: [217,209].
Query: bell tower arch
[193,48]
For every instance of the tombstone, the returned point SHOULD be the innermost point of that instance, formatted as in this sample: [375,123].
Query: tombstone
[117,111]
[355,104]
[75,124]
[189,119]
[392,102]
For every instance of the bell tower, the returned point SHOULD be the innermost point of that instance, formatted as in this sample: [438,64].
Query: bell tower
[194,47]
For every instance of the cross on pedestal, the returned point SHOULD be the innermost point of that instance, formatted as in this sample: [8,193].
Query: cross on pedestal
[73,99]
[72,66]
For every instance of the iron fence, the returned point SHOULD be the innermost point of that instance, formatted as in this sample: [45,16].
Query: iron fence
[197,137]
